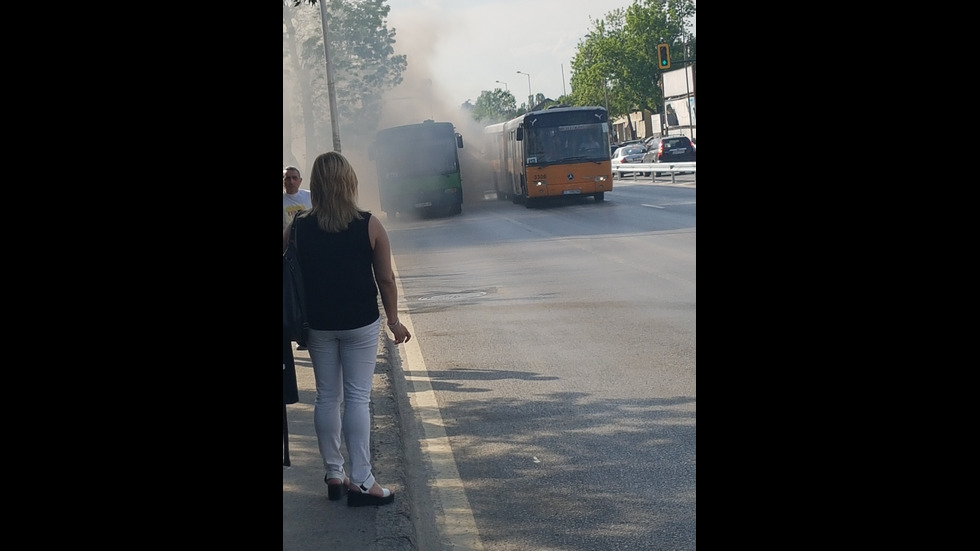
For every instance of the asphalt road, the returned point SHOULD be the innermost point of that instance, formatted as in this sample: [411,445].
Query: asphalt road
[551,382]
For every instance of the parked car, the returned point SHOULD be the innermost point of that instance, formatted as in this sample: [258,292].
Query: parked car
[632,153]
[670,149]
[616,146]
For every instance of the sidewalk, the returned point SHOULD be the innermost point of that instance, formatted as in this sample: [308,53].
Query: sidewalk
[311,522]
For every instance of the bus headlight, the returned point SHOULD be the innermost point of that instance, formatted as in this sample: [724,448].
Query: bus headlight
[538,183]
[600,178]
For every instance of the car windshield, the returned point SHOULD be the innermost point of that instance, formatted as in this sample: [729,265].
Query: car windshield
[632,151]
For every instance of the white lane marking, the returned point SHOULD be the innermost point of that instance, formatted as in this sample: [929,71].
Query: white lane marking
[457,525]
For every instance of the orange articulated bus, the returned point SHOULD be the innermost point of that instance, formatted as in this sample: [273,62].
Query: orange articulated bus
[549,153]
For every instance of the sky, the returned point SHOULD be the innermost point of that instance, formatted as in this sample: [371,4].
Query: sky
[465,46]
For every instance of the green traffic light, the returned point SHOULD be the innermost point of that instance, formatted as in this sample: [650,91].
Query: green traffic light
[663,53]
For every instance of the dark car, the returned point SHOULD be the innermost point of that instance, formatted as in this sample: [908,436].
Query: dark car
[671,149]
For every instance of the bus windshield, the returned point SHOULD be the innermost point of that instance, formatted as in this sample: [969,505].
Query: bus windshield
[421,156]
[565,143]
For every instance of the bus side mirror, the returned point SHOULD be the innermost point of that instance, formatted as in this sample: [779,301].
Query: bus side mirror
[459,141]
[520,133]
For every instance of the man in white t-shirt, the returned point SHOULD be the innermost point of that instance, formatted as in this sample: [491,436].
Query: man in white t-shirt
[293,198]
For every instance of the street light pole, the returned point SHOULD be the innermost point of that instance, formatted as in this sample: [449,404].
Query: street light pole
[690,117]
[505,85]
[530,96]
[605,88]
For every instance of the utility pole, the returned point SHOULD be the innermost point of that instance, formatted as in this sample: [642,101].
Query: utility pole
[605,89]
[687,85]
[530,96]
[663,53]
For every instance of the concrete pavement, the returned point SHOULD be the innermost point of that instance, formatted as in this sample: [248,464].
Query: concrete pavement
[311,522]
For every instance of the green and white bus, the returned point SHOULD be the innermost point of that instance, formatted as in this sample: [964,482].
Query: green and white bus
[418,169]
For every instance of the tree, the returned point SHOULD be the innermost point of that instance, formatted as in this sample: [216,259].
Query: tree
[541,102]
[616,63]
[294,73]
[647,25]
[598,65]
[493,107]
[363,60]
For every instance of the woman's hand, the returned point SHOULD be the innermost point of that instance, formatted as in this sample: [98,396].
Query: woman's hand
[400,332]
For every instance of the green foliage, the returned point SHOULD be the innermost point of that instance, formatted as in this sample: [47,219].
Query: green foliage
[499,106]
[616,63]
[362,53]
[493,107]
[598,64]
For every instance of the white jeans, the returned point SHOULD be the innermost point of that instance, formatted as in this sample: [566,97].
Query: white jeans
[343,366]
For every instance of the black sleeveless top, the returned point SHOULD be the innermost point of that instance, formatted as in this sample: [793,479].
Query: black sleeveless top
[338,274]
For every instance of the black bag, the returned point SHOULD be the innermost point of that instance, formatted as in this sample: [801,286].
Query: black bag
[290,391]
[293,295]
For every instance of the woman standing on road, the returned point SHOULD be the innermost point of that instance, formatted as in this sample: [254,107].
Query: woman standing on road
[345,257]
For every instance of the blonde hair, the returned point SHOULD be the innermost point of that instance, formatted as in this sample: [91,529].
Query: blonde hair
[333,192]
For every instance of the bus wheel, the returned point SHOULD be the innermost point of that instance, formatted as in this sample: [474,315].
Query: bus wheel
[601,196]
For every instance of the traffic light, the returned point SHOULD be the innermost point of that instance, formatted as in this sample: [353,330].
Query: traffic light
[663,56]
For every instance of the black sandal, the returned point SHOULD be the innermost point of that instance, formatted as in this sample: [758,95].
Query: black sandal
[336,491]
[360,496]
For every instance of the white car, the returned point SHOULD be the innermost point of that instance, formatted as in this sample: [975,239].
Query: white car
[629,154]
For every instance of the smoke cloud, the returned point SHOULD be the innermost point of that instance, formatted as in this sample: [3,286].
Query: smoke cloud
[416,99]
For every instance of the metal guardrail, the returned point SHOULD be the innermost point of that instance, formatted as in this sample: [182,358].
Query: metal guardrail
[653,168]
